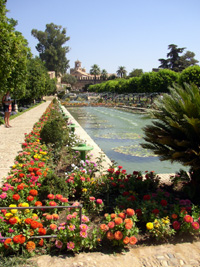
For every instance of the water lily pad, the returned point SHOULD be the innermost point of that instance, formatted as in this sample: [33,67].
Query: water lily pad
[134,150]
[132,136]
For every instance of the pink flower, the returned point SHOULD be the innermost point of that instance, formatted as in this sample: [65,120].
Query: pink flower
[71,227]
[64,199]
[58,244]
[82,178]
[83,234]
[92,198]
[84,219]
[3,195]
[69,217]
[70,245]
[83,227]
[195,225]
[99,201]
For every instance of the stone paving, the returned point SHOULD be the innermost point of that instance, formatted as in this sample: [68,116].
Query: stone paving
[178,255]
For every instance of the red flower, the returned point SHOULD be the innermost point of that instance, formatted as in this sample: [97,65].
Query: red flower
[120,167]
[163,202]
[12,220]
[41,242]
[21,175]
[34,225]
[125,193]
[155,211]
[188,219]
[146,197]
[20,187]
[176,225]
[7,242]
[138,212]
[16,197]
[42,231]
[52,203]
[28,220]
[30,198]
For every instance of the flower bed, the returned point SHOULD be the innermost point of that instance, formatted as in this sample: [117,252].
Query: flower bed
[116,206]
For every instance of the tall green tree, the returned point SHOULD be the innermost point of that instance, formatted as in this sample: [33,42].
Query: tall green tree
[51,49]
[13,55]
[67,78]
[177,62]
[121,72]
[104,74]
[95,70]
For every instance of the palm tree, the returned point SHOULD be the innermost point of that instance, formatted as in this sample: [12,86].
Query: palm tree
[104,74]
[175,134]
[121,72]
[95,70]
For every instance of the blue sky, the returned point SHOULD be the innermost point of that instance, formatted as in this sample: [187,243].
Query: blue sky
[113,33]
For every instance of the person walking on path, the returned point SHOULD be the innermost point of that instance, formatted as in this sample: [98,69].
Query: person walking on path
[7,108]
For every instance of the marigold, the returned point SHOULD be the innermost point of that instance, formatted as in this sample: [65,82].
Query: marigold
[30,246]
[174,216]
[33,192]
[126,240]
[110,235]
[113,215]
[128,226]
[132,240]
[7,242]
[118,220]
[42,231]
[149,225]
[122,215]
[130,212]
[104,227]
[118,235]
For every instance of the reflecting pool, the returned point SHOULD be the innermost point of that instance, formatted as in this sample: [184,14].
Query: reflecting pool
[119,134]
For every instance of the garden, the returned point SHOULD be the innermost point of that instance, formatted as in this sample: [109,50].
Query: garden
[53,202]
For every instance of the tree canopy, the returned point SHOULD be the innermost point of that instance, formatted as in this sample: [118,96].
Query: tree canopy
[121,72]
[51,49]
[95,70]
[177,62]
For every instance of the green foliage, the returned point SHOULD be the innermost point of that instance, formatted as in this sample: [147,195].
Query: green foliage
[51,49]
[190,75]
[176,62]
[95,70]
[175,133]
[136,73]
[67,78]
[13,55]
[121,72]
[53,184]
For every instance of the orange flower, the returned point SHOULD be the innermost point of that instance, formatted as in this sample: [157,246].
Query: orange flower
[30,198]
[34,225]
[128,220]
[28,220]
[111,224]
[42,231]
[104,227]
[41,242]
[33,192]
[130,212]
[132,240]
[126,240]
[122,215]
[30,246]
[110,235]
[19,239]
[118,220]
[128,225]
[55,216]
[118,235]
[49,217]
[38,203]
[7,242]
[174,216]
[113,215]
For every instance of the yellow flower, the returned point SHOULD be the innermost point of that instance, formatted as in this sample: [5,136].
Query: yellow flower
[20,165]
[24,204]
[8,215]
[35,156]
[149,225]
[26,211]
[14,166]
[14,210]
[84,189]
